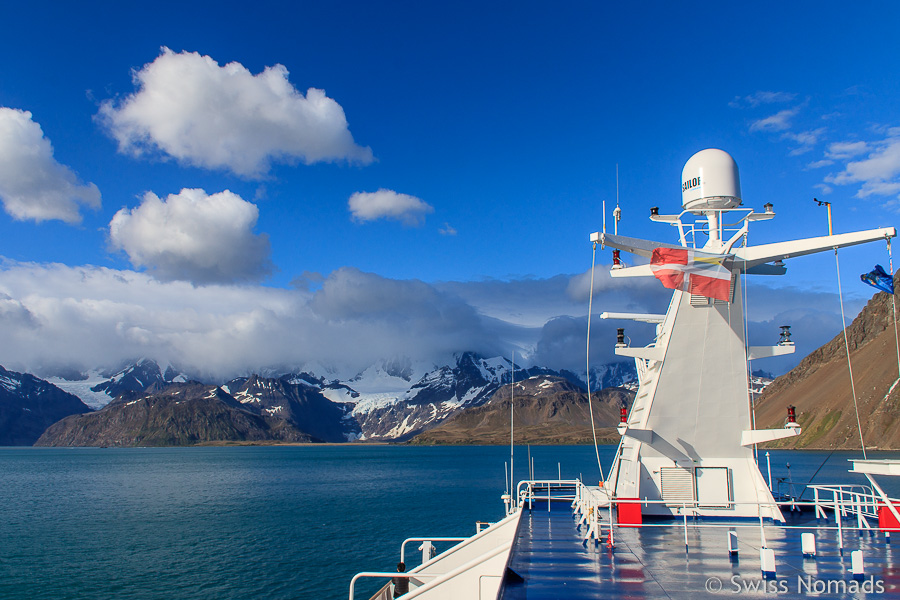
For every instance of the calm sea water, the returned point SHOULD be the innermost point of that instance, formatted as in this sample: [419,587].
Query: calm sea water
[256,522]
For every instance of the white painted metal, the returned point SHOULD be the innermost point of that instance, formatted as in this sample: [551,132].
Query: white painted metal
[464,570]
[713,487]
[427,549]
[750,437]
[644,318]
[876,467]
[692,409]
[768,351]
[767,562]
[857,563]
[808,544]
[732,543]
[710,180]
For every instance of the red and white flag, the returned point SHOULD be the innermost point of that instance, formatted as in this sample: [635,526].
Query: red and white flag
[695,272]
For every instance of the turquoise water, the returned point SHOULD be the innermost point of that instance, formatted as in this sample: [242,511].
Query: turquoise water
[255,522]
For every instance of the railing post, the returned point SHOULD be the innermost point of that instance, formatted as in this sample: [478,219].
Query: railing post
[838,516]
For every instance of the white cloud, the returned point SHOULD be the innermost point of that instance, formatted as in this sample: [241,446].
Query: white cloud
[56,318]
[882,164]
[203,114]
[805,139]
[757,98]
[818,164]
[387,204]
[878,173]
[193,236]
[780,121]
[878,188]
[447,229]
[845,150]
[32,184]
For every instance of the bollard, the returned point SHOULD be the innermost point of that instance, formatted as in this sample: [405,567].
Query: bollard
[857,566]
[767,562]
[808,545]
[732,543]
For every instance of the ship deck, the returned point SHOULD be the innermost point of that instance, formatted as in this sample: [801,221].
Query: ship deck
[550,560]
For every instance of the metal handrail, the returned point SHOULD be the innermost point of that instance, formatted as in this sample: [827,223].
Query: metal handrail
[427,539]
[386,574]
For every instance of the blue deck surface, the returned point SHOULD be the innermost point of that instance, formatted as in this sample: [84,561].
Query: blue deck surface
[651,562]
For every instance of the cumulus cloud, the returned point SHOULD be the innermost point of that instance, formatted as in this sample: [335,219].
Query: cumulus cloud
[877,173]
[224,117]
[193,236]
[388,204]
[32,184]
[447,229]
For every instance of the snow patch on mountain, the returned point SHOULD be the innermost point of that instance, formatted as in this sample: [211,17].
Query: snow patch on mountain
[83,389]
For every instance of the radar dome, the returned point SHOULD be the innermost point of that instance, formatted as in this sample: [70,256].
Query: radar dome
[710,181]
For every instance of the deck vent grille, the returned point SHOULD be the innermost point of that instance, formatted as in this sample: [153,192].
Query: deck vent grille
[677,485]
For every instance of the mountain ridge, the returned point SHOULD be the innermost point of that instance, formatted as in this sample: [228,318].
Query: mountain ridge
[820,387]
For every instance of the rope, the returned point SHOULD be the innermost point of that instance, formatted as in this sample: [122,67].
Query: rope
[806,487]
[894,306]
[588,360]
[847,347]
[745,321]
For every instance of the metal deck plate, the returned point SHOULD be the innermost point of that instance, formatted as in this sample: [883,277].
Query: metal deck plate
[651,562]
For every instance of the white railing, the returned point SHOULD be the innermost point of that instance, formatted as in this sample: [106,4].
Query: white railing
[846,501]
[468,568]
[525,491]
[853,502]
[427,539]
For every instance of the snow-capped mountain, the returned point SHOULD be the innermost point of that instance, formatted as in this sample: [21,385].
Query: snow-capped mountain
[29,405]
[392,399]
[298,400]
[449,389]
[99,388]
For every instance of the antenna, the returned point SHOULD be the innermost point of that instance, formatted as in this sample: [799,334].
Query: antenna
[617,213]
[512,392]
[604,216]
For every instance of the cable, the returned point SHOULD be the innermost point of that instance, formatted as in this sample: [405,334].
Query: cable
[847,346]
[588,359]
[894,304]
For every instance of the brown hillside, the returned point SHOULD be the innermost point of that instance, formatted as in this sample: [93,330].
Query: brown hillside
[548,410]
[820,387]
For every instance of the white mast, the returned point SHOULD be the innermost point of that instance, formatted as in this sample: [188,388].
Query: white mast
[688,441]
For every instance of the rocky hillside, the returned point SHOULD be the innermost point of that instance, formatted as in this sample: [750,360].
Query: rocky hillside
[820,387]
[181,415]
[548,410]
[29,405]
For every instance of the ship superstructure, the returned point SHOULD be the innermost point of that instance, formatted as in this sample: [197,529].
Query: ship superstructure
[684,498]
[688,440]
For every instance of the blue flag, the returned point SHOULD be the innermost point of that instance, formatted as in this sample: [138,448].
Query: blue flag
[877,278]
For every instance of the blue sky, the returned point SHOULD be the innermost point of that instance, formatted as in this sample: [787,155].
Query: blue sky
[493,129]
